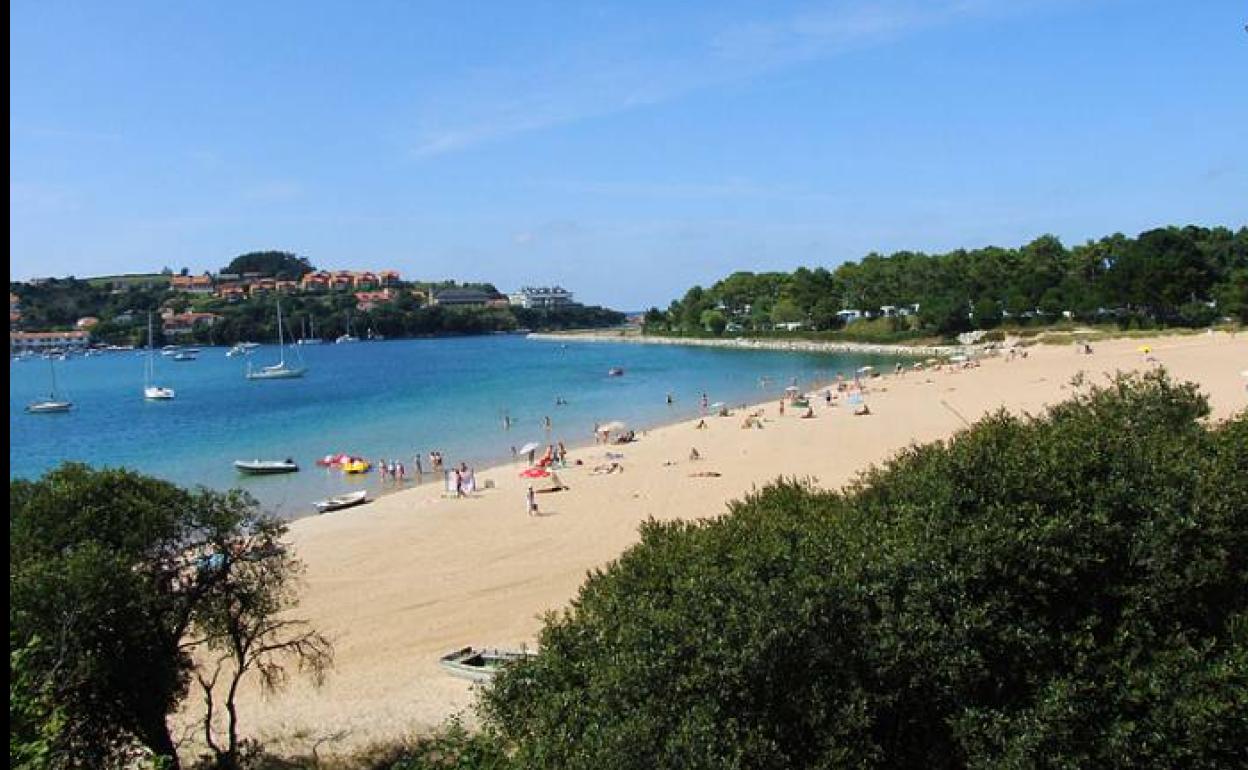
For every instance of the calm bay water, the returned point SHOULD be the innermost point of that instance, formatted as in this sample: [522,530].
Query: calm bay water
[379,399]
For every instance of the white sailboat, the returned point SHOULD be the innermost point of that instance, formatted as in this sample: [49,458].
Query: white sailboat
[153,392]
[304,339]
[53,403]
[281,370]
[348,337]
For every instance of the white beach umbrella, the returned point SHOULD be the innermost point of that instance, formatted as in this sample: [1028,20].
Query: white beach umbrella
[614,425]
[866,369]
[529,447]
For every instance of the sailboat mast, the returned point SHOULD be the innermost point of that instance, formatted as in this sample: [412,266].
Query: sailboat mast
[281,347]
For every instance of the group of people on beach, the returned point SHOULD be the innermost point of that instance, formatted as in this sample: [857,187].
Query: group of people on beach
[392,470]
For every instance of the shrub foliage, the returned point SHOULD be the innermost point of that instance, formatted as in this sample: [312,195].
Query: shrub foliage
[1068,590]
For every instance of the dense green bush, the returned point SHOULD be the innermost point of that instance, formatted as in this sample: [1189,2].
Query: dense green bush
[1068,590]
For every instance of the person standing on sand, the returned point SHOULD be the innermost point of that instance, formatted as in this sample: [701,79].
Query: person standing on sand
[530,501]
[782,407]
[416,461]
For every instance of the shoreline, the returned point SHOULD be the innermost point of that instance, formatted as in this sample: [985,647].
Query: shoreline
[746,343]
[412,575]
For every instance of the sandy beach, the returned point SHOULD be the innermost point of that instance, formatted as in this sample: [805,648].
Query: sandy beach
[401,581]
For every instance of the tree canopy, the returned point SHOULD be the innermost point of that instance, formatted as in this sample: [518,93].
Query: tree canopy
[115,581]
[1172,275]
[279,264]
[1068,590]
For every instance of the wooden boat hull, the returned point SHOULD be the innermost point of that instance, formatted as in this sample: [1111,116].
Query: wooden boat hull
[481,664]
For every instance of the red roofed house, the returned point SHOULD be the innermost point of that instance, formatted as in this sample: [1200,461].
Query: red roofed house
[192,284]
[316,281]
[185,323]
[367,300]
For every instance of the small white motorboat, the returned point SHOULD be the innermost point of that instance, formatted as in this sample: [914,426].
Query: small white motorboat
[338,502]
[262,467]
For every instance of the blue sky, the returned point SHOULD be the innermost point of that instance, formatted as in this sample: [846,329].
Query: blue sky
[625,150]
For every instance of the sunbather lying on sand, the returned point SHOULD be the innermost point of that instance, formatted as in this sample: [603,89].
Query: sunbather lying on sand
[706,474]
[606,468]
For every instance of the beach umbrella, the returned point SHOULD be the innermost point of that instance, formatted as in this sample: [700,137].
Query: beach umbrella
[534,473]
[866,369]
[614,425]
[792,389]
[532,446]
[717,405]
[1144,349]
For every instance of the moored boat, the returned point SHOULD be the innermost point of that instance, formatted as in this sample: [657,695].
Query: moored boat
[263,467]
[338,502]
[49,406]
[481,664]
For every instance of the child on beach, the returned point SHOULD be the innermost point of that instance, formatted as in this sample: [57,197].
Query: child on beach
[530,500]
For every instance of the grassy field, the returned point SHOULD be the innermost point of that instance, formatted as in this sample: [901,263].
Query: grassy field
[129,279]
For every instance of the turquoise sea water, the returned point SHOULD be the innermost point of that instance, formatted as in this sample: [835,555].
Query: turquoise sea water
[379,400]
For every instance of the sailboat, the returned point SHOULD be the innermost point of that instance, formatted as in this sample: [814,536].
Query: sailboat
[53,403]
[153,392]
[305,339]
[281,370]
[345,338]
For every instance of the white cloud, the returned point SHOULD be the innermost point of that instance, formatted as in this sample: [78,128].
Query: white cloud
[501,102]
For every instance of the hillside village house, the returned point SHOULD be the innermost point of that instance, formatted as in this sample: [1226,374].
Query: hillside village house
[87,323]
[192,284]
[531,297]
[20,342]
[367,300]
[185,323]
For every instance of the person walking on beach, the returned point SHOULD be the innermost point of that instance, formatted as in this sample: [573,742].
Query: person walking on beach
[705,402]
[419,470]
[400,472]
[530,501]
[459,483]
[546,422]
[383,468]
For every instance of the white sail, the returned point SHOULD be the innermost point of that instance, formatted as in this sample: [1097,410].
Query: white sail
[153,392]
[281,370]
